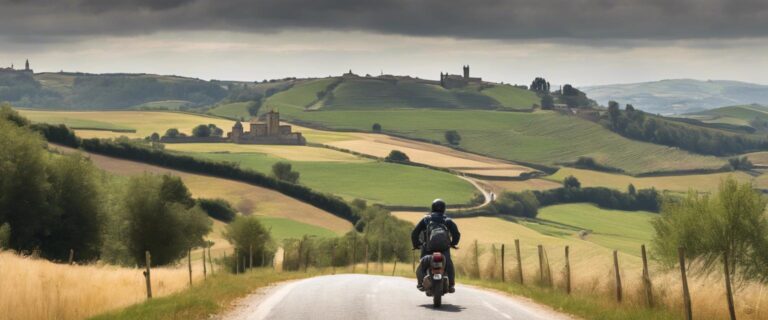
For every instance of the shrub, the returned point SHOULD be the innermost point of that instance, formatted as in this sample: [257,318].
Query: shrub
[218,209]
[397,156]
[284,171]
[171,133]
[201,131]
[453,137]
[376,127]
[571,182]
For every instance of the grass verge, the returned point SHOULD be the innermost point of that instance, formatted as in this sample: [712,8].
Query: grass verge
[202,300]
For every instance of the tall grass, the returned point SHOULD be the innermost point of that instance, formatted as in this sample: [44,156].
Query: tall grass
[593,276]
[33,288]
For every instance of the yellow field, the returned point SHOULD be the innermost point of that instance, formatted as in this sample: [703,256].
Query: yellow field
[294,153]
[701,182]
[380,145]
[592,268]
[758,158]
[38,289]
[266,202]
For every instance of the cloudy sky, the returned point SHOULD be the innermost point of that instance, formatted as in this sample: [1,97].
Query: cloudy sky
[583,42]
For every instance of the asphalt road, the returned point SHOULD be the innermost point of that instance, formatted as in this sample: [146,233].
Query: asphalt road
[355,296]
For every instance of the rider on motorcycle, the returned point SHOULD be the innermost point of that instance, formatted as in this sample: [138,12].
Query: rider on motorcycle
[420,239]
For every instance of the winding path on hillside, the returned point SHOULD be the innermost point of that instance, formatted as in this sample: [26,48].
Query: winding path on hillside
[358,296]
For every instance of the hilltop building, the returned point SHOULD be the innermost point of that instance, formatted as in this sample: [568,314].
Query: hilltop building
[12,69]
[450,81]
[268,131]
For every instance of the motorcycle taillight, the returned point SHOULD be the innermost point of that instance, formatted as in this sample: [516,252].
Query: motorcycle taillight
[437,257]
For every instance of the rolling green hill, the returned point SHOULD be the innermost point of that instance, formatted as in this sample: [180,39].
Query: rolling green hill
[511,97]
[737,115]
[539,137]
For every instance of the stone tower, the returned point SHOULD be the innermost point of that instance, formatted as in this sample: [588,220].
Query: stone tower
[26,65]
[273,123]
[237,131]
[466,72]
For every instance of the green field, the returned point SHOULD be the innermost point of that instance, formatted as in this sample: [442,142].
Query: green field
[72,122]
[161,105]
[377,182]
[619,230]
[683,183]
[233,110]
[282,228]
[737,115]
[298,98]
[512,98]
[540,137]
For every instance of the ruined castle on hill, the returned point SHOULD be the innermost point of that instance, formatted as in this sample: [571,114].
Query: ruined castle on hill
[270,131]
[451,81]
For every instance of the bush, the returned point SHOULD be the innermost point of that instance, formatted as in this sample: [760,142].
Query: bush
[453,137]
[524,204]
[218,209]
[284,171]
[201,131]
[171,133]
[742,164]
[376,127]
[571,182]
[397,156]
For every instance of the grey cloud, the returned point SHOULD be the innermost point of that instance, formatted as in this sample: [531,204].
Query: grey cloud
[567,20]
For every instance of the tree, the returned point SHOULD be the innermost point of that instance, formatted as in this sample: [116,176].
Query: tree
[547,102]
[741,163]
[614,113]
[218,209]
[631,190]
[201,131]
[523,204]
[254,106]
[76,213]
[629,108]
[155,137]
[397,156]
[729,224]
[174,190]
[570,182]
[540,85]
[376,127]
[171,133]
[248,235]
[155,222]
[215,131]
[453,137]
[283,171]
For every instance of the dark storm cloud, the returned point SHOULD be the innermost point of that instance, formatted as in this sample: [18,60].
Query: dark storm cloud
[38,20]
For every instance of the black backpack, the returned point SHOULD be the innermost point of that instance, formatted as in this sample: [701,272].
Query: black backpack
[438,235]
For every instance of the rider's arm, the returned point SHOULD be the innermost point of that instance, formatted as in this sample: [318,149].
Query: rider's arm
[455,235]
[415,235]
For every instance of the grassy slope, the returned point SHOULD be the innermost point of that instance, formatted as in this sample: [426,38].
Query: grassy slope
[299,97]
[232,110]
[701,182]
[511,97]
[614,229]
[377,182]
[541,137]
[738,115]
[375,93]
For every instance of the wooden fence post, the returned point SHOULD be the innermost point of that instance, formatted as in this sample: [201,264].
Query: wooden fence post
[381,261]
[541,264]
[503,273]
[395,267]
[477,259]
[366,256]
[147,274]
[728,289]
[71,256]
[205,269]
[333,258]
[618,275]
[210,259]
[647,278]
[567,271]
[354,252]
[189,264]
[686,293]
[519,261]
[250,256]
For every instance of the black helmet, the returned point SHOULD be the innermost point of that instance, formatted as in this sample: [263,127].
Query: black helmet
[438,206]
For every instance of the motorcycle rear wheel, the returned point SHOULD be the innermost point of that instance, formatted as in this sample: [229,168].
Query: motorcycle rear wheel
[437,294]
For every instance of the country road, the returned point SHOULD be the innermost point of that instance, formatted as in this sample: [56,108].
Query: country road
[357,296]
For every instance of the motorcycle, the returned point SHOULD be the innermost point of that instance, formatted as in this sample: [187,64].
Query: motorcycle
[436,280]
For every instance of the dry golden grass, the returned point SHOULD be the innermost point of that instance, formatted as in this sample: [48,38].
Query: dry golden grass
[701,182]
[759,158]
[381,145]
[38,289]
[294,153]
[592,269]
[266,202]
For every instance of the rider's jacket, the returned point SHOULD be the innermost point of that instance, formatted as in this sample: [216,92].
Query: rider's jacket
[422,226]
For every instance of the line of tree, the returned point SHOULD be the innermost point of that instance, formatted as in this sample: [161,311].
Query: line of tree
[527,203]
[638,125]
